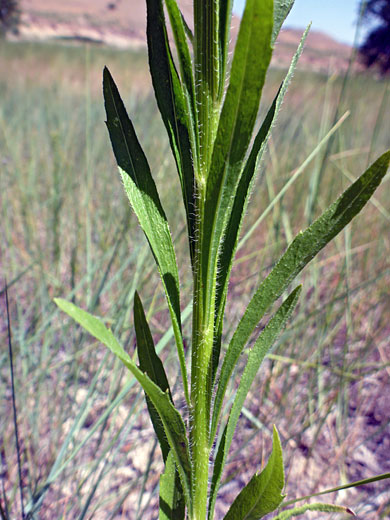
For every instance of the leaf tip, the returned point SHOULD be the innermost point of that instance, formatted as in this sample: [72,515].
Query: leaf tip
[58,301]
[107,78]
[275,437]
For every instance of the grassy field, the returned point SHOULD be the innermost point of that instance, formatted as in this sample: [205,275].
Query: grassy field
[87,448]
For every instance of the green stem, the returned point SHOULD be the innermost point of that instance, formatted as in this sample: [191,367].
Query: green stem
[207,78]
[202,341]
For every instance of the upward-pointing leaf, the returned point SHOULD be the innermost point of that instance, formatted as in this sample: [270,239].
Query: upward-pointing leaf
[171,492]
[229,244]
[225,17]
[179,32]
[142,193]
[175,101]
[303,248]
[255,357]
[171,499]
[171,419]
[281,10]
[150,363]
[251,58]
[263,493]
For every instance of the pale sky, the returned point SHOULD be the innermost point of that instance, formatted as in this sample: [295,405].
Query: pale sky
[335,17]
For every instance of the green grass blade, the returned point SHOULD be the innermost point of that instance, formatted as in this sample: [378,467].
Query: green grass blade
[86,508]
[323,508]
[377,478]
[281,11]
[263,493]
[244,189]
[173,424]
[175,105]
[256,355]
[150,363]
[171,498]
[276,198]
[304,247]
[142,193]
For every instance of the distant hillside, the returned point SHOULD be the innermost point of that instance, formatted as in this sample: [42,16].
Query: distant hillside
[322,52]
[121,23]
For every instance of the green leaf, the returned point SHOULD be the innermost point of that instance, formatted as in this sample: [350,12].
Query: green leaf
[225,16]
[262,494]
[324,508]
[251,59]
[172,505]
[256,355]
[304,247]
[150,363]
[244,189]
[281,10]
[172,422]
[179,33]
[206,52]
[148,359]
[176,104]
[255,358]
[142,193]
[188,30]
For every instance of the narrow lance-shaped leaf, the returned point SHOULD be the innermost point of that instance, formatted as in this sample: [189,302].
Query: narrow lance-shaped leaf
[225,16]
[256,355]
[207,73]
[303,248]
[172,506]
[244,189]
[179,32]
[175,107]
[323,508]
[142,193]
[281,10]
[150,363]
[263,493]
[251,59]
[189,33]
[173,424]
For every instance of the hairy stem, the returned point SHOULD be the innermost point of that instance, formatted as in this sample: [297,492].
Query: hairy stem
[202,342]
[207,82]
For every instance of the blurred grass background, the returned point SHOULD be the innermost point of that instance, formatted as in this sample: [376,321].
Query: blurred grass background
[66,229]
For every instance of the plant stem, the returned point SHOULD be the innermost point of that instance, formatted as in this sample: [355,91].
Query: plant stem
[207,77]
[202,341]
